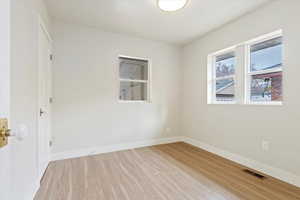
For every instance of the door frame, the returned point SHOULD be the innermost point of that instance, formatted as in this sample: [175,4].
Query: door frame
[43,28]
[5,67]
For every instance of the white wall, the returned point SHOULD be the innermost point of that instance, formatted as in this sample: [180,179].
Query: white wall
[86,111]
[240,129]
[24,94]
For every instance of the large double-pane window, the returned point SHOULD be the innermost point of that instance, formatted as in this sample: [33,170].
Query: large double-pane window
[248,73]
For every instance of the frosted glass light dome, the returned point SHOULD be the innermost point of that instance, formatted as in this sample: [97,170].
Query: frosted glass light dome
[171,5]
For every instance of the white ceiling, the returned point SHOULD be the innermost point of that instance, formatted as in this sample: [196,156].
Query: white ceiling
[142,18]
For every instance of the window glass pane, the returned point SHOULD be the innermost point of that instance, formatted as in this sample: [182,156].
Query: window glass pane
[225,90]
[225,64]
[266,55]
[133,91]
[133,69]
[266,87]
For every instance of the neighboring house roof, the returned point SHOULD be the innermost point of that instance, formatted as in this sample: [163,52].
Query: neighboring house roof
[227,90]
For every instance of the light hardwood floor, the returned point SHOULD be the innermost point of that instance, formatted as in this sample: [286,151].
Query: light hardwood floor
[165,172]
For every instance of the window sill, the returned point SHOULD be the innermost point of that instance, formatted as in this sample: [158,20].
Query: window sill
[248,104]
[264,103]
[123,101]
[222,103]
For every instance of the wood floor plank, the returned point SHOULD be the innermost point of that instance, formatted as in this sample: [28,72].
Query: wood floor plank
[236,174]
[282,187]
[175,171]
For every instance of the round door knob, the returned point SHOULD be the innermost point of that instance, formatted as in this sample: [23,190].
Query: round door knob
[21,132]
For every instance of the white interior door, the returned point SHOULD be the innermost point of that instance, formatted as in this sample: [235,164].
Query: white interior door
[5,154]
[44,100]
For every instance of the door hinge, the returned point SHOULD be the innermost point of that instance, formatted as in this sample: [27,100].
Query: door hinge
[50,100]
[41,112]
[51,57]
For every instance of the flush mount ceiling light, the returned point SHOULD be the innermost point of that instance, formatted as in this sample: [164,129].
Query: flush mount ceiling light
[171,5]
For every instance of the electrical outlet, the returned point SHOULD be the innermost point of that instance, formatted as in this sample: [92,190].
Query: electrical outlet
[265,145]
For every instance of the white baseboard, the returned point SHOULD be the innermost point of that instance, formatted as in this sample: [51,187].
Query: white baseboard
[266,169]
[112,148]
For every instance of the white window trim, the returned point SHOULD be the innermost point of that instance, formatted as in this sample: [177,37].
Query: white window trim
[148,81]
[242,76]
[248,73]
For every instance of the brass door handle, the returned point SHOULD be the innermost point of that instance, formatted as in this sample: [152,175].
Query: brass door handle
[4,132]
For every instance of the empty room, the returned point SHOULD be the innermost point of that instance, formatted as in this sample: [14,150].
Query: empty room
[149,100]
